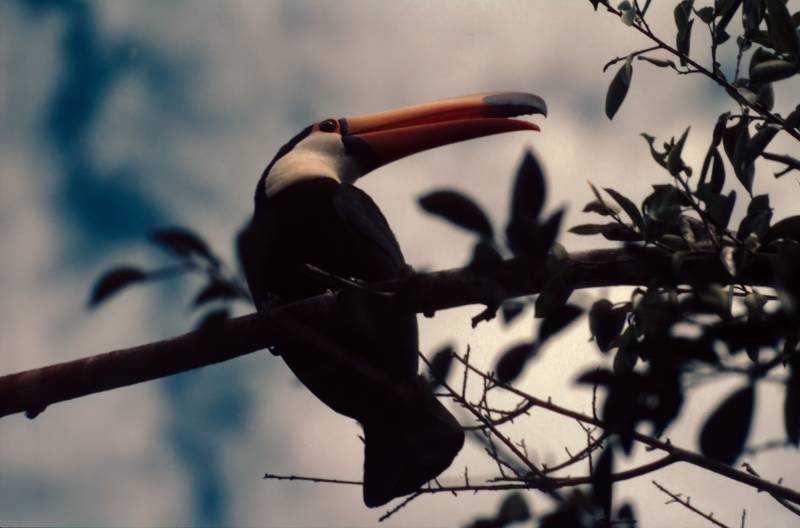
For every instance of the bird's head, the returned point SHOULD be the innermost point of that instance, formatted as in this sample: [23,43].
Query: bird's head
[346,149]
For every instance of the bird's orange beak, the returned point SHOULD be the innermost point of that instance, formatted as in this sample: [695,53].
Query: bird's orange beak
[380,138]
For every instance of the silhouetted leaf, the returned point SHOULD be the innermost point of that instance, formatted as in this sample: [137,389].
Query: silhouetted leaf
[113,281]
[630,208]
[725,11]
[182,243]
[706,14]
[510,310]
[735,140]
[628,16]
[760,55]
[523,230]
[675,163]
[771,71]
[459,210]
[602,485]
[621,232]
[661,63]
[765,95]
[216,290]
[441,362]
[547,234]
[790,162]
[752,13]
[793,119]
[618,88]
[788,228]
[662,208]
[485,259]
[611,231]
[755,302]
[724,433]
[625,360]
[587,229]
[514,509]
[513,361]
[602,377]
[659,157]
[530,189]
[759,142]
[782,32]
[757,219]
[558,320]
[720,207]
[601,208]
[684,23]
[625,516]
[606,322]
[717,173]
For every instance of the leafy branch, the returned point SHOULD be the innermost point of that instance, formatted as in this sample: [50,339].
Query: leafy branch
[782,40]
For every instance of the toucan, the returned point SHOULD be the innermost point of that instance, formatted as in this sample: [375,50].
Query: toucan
[363,363]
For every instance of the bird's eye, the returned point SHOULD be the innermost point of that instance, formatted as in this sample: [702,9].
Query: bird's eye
[329,125]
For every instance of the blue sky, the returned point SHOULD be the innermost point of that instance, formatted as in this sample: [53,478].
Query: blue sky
[124,116]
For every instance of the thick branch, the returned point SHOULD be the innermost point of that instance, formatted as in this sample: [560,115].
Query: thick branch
[33,390]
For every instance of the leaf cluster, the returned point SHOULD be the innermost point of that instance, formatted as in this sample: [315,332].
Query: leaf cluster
[528,236]
[189,254]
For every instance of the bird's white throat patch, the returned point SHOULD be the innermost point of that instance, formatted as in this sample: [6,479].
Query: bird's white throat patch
[318,155]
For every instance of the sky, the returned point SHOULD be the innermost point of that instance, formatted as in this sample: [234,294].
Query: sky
[121,117]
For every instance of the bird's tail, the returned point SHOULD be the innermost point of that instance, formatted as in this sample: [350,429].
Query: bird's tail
[407,449]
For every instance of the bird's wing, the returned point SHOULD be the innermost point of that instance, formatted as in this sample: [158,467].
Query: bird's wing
[360,214]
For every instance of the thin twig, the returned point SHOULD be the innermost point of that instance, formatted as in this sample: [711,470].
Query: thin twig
[682,455]
[400,506]
[687,504]
[543,479]
[615,60]
[789,506]
[319,480]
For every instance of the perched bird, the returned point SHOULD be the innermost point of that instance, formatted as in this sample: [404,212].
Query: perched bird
[307,212]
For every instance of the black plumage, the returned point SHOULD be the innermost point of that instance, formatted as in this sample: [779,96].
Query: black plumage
[409,436]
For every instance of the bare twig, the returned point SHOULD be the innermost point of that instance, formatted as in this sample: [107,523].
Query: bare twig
[680,454]
[543,480]
[686,503]
[615,60]
[318,480]
[789,506]
[400,506]
[577,457]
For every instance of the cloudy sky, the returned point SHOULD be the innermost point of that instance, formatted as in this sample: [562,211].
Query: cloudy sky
[125,116]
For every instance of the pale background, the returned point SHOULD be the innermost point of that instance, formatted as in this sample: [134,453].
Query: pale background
[118,117]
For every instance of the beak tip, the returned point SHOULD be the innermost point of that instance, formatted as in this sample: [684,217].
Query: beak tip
[517,103]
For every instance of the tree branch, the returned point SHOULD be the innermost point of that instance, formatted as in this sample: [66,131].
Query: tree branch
[720,80]
[33,390]
[678,454]
[687,503]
